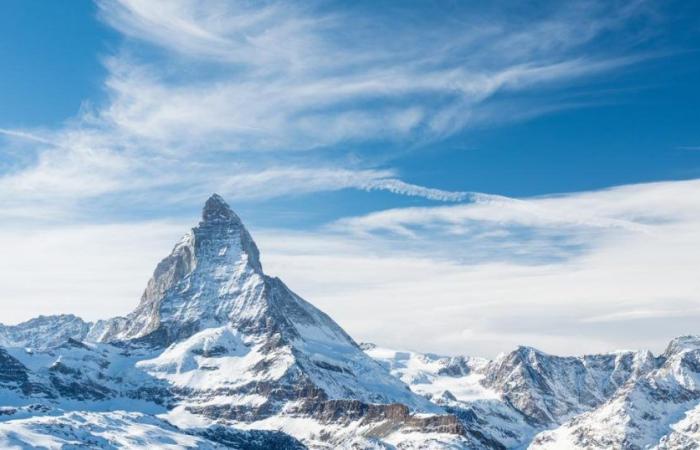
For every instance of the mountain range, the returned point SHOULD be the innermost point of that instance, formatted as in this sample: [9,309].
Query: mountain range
[217,354]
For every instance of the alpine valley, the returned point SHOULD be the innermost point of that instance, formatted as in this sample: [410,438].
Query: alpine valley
[220,355]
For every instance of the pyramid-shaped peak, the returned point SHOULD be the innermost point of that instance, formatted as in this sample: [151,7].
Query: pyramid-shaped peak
[218,221]
[217,210]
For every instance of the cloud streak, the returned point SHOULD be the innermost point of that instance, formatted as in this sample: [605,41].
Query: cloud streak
[626,208]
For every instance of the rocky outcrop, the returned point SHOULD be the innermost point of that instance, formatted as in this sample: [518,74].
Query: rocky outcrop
[393,415]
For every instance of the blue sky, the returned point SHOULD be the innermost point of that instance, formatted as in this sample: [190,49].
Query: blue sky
[403,132]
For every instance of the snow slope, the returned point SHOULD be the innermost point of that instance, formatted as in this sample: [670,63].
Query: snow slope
[112,430]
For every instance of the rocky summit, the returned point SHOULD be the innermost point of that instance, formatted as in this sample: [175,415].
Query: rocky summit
[217,354]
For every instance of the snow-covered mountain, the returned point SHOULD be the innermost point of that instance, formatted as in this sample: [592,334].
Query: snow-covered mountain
[529,399]
[220,355]
[511,399]
[44,332]
[215,340]
[657,410]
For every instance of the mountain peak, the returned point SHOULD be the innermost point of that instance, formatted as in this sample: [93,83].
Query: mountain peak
[217,210]
[218,218]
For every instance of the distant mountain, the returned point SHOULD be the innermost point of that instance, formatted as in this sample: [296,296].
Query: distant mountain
[44,332]
[511,399]
[657,410]
[219,355]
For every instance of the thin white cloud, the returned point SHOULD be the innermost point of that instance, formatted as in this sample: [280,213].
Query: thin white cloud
[57,186]
[264,34]
[24,135]
[401,187]
[635,208]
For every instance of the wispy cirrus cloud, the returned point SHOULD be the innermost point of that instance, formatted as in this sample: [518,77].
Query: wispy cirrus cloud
[287,76]
[259,100]
[82,166]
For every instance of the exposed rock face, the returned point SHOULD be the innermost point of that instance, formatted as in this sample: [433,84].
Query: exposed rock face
[13,374]
[346,411]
